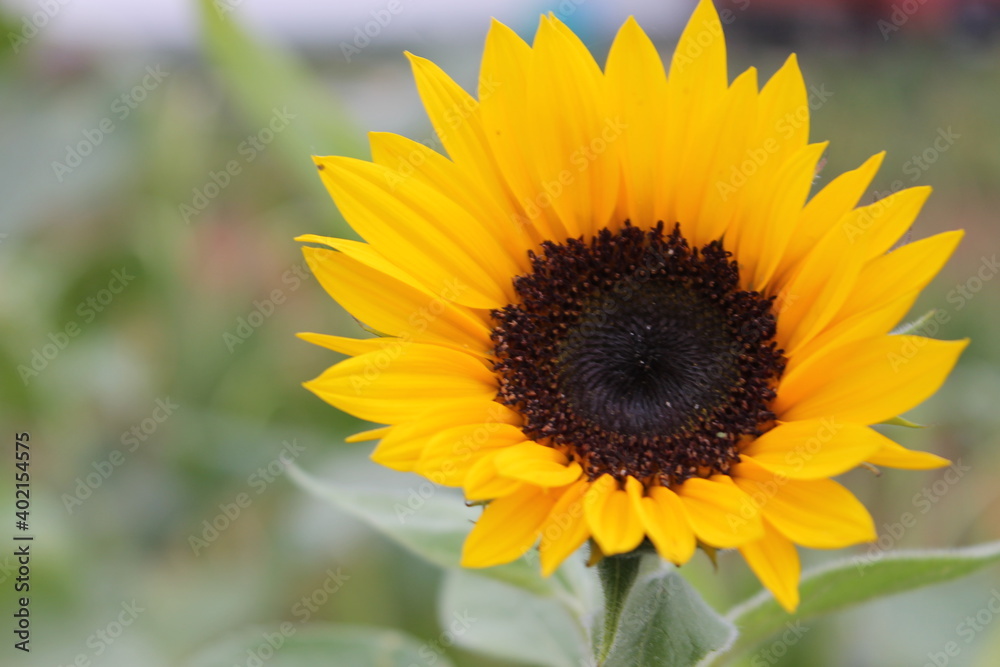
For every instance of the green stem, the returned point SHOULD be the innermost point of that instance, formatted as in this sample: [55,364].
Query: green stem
[617,574]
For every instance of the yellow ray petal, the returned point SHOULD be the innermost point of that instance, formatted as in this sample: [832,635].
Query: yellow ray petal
[371,434]
[458,123]
[763,233]
[508,527]
[395,308]
[783,113]
[448,455]
[819,513]
[903,271]
[637,85]
[664,520]
[707,195]
[611,517]
[503,97]
[817,290]
[893,455]
[866,381]
[411,159]
[367,255]
[775,561]
[696,82]
[573,132]
[871,324]
[814,449]
[424,233]
[825,209]
[484,481]
[565,528]
[350,346]
[402,382]
[538,465]
[881,224]
[720,514]
[402,447]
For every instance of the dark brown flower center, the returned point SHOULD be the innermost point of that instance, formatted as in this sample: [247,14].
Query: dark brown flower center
[638,354]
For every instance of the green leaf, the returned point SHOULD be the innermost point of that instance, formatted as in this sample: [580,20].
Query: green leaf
[431,524]
[503,621]
[289,644]
[263,79]
[847,583]
[666,622]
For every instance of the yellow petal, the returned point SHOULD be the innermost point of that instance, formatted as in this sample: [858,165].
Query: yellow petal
[893,455]
[411,159]
[707,196]
[574,137]
[825,209]
[402,447]
[448,455]
[508,527]
[611,517]
[820,513]
[866,381]
[720,514]
[814,449]
[696,82]
[775,561]
[371,434]
[503,97]
[903,271]
[565,528]
[868,325]
[366,254]
[350,346]
[458,123]
[817,290]
[664,520]
[881,224]
[423,232]
[403,382]
[766,227]
[538,465]
[484,481]
[394,308]
[637,85]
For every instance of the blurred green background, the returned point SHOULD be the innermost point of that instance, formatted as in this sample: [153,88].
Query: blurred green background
[151,291]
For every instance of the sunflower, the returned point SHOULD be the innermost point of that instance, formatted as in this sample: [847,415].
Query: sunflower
[613,312]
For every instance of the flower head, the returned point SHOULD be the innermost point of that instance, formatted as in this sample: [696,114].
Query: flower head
[615,313]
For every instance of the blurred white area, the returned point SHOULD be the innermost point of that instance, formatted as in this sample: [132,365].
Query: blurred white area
[125,24]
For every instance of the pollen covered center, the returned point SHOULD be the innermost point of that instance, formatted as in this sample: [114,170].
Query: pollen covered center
[638,355]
